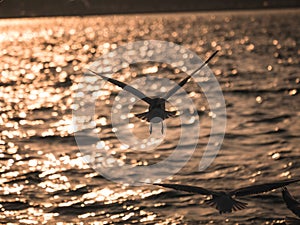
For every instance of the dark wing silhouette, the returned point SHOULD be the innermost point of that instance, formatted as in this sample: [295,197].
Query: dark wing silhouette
[126,87]
[183,82]
[292,221]
[187,188]
[291,203]
[261,188]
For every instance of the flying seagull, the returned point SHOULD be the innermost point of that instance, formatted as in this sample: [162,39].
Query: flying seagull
[157,106]
[223,200]
[293,205]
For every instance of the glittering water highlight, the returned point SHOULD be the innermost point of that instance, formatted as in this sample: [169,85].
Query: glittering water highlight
[44,177]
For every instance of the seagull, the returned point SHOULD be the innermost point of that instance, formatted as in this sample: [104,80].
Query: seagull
[293,205]
[223,200]
[157,112]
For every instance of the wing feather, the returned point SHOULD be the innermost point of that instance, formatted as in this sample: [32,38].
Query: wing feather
[291,203]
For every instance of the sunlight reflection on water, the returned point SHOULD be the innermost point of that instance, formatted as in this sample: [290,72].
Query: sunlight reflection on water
[45,179]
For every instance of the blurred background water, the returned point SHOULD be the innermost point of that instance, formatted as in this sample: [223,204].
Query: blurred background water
[44,178]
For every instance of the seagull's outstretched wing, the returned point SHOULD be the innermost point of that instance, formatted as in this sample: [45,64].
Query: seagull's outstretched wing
[187,188]
[126,87]
[183,82]
[291,203]
[261,188]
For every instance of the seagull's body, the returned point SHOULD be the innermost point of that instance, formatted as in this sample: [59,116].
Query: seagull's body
[293,205]
[224,201]
[157,112]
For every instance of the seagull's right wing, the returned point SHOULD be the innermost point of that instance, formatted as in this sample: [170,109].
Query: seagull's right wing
[261,188]
[183,82]
[126,87]
[291,203]
[187,188]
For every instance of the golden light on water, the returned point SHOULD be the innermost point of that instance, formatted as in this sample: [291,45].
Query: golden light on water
[153,69]
[45,179]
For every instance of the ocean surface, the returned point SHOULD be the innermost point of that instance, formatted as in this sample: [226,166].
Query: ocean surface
[45,177]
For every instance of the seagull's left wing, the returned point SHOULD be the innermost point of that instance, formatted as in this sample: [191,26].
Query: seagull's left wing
[126,87]
[291,203]
[261,188]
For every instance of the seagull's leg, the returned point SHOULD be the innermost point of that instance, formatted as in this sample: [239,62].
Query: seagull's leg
[150,128]
[162,127]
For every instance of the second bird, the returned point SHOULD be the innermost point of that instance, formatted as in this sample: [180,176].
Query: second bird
[223,200]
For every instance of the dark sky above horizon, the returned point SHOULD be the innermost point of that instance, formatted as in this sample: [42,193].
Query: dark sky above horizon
[24,8]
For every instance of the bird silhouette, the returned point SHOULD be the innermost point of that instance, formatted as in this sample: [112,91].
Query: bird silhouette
[293,205]
[157,112]
[224,201]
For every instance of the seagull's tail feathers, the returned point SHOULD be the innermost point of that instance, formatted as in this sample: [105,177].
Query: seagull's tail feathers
[236,205]
[170,114]
[211,202]
[239,205]
[143,116]
[166,115]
